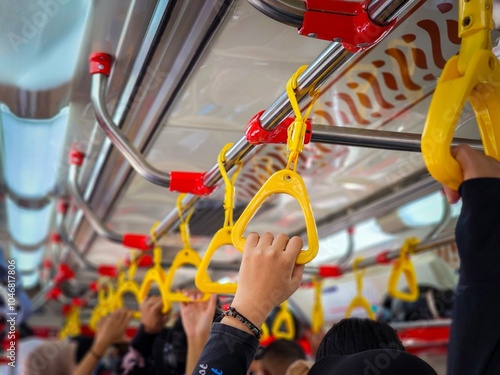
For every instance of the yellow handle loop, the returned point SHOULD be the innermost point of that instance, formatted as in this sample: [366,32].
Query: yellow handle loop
[128,285]
[156,274]
[317,317]
[297,130]
[359,300]
[72,326]
[473,75]
[185,256]
[223,236]
[106,302]
[286,181]
[404,266]
[283,327]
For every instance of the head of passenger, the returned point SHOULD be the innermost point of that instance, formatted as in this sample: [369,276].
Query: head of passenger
[279,355]
[52,357]
[372,362]
[354,335]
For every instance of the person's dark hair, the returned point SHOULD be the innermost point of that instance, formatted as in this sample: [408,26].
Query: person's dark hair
[354,335]
[282,351]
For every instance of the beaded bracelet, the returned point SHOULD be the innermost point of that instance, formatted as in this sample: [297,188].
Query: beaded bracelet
[233,313]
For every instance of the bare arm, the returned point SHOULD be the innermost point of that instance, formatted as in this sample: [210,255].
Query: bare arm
[111,331]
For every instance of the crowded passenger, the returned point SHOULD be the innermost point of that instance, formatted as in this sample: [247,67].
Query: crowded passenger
[77,357]
[279,355]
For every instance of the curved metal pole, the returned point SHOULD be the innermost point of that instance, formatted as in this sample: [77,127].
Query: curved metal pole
[94,221]
[71,246]
[41,297]
[119,140]
[333,58]
[350,248]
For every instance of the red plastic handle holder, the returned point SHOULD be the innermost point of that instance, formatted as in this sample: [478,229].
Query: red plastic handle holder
[329,271]
[79,302]
[66,309]
[62,206]
[64,273]
[145,261]
[136,241]
[55,238]
[94,286]
[54,293]
[106,270]
[189,182]
[100,63]
[382,258]
[76,157]
[257,135]
[333,20]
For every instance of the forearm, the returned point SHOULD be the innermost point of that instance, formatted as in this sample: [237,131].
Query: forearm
[478,231]
[195,347]
[475,333]
[91,359]
[229,350]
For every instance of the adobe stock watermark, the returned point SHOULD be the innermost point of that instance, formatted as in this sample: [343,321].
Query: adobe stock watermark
[34,23]
[11,314]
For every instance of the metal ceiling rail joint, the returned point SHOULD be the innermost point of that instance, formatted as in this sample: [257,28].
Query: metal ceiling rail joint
[183,182]
[255,134]
[139,241]
[343,21]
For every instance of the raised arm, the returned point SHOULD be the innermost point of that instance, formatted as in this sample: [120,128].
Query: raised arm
[268,276]
[475,333]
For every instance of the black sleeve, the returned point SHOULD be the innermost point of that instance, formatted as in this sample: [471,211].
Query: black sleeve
[229,351]
[139,357]
[474,346]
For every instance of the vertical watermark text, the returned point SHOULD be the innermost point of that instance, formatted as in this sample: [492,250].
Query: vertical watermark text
[12,312]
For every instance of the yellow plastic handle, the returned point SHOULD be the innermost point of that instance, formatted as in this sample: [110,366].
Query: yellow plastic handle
[128,286]
[184,257]
[473,75]
[289,182]
[108,300]
[404,266]
[284,319]
[361,302]
[96,316]
[317,317]
[155,275]
[202,278]
[72,326]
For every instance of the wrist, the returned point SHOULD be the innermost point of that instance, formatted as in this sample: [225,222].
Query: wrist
[198,340]
[99,348]
[150,330]
[254,315]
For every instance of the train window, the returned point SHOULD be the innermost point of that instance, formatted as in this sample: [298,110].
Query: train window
[367,234]
[424,211]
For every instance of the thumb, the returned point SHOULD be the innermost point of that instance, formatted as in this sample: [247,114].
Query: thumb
[452,196]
